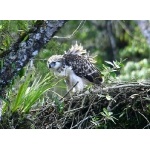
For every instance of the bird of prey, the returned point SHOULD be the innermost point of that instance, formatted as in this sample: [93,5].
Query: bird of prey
[77,67]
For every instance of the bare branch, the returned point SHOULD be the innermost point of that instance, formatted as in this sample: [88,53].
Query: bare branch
[125,86]
[73,33]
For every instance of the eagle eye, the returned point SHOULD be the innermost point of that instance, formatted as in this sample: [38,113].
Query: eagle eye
[52,64]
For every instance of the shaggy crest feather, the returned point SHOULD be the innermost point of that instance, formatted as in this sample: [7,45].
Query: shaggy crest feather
[76,50]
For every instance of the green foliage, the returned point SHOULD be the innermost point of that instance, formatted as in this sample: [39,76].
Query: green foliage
[59,104]
[137,48]
[136,71]
[137,54]
[29,92]
[108,115]
[29,88]
[110,72]
[103,120]
[10,31]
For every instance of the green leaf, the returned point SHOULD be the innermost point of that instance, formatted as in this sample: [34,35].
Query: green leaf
[110,63]
[116,65]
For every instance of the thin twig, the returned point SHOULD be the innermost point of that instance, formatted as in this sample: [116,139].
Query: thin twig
[117,105]
[81,122]
[144,117]
[89,107]
[72,110]
[126,85]
[39,59]
[73,33]
[146,126]
[69,91]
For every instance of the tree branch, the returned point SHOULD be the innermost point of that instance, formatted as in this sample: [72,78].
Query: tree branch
[125,86]
[25,48]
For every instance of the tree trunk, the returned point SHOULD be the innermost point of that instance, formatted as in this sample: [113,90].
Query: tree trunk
[24,49]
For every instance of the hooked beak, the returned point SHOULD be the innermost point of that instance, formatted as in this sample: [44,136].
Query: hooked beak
[51,65]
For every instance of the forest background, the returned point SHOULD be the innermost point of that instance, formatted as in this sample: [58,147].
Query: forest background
[122,55]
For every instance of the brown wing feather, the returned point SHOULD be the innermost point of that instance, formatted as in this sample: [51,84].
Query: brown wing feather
[83,68]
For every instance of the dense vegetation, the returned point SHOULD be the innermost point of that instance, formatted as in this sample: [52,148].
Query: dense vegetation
[35,98]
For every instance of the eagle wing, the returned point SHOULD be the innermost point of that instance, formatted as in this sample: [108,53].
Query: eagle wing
[82,67]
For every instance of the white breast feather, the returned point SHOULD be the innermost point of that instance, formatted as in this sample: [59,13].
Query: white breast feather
[64,73]
[73,78]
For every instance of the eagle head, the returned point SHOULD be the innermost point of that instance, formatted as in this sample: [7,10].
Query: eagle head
[54,62]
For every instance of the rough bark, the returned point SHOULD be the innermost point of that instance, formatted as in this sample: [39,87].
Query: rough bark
[26,48]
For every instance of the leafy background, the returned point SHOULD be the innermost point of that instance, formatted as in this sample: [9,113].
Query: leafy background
[121,51]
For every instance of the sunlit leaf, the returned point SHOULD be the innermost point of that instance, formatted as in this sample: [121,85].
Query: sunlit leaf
[116,65]
[110,63]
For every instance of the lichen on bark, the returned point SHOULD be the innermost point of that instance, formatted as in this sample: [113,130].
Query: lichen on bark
[26,47]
